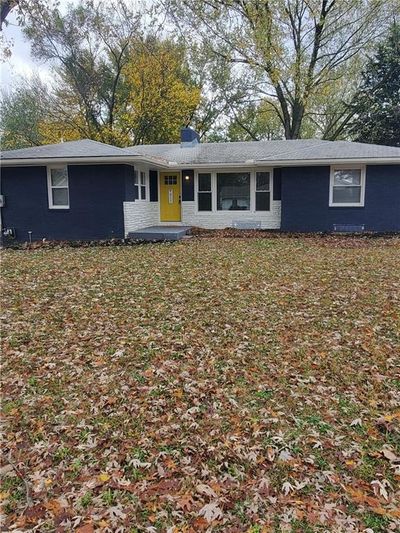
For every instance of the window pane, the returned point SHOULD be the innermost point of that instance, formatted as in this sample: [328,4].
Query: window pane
[143,192]
[135,177]
[204,182]
[346,195]
[233,191]
[59,177]
[143,178]
[262,201]
[204,201]
[347,177]
[60,196]
[262,181]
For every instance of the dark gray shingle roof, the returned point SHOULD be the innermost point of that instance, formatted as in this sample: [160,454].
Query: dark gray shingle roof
[214,153]
[84,148]
[268,151]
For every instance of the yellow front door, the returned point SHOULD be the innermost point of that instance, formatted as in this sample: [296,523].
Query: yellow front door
[170,197]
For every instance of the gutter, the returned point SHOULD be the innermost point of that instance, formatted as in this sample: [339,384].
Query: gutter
[285,163]
[168,165]
[124,160]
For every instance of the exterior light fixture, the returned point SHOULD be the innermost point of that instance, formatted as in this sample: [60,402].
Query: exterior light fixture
[187,178]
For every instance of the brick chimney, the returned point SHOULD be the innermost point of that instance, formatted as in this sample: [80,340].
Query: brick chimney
[189,138]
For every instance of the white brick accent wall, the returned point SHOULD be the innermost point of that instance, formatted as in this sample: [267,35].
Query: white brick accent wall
[140,214]
[223,219]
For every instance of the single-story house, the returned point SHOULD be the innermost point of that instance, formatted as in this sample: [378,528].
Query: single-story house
[84,190]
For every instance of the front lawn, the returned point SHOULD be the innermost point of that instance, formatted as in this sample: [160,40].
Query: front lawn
[232,385]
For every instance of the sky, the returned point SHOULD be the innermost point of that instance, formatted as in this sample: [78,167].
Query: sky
[20,62]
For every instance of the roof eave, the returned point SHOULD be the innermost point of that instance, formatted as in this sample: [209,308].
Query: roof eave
[39,161]
[157,163]
[289,163]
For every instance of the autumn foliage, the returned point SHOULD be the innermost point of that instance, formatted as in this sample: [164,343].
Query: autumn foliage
[236,385]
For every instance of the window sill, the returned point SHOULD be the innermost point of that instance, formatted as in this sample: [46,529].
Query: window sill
[223,211]
[58,207]
[346,205]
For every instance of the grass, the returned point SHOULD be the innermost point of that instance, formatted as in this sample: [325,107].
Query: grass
[258,377]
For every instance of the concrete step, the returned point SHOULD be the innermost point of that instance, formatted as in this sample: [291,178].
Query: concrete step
[160,233]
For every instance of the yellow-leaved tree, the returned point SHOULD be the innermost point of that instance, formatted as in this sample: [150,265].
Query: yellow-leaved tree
[161,97]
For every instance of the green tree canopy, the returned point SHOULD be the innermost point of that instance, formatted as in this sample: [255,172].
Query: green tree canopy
[377,103]
[29,117]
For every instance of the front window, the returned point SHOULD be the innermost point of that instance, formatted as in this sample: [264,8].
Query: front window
[204,198]
[262,191]
[233,191]
[143,185]
[347,187]
[140,183]
[58,187]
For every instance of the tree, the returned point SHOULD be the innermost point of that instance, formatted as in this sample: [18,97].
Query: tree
[22,8]
[161,94]
[223,89]
[5,7]
[20,114]
[88,47]
[255,122]
[298,47]
[110,83]
[28,117]
[376,105]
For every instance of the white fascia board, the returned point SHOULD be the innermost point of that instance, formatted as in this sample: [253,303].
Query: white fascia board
[129,160]
[157,163]
[328,162]
[286,163]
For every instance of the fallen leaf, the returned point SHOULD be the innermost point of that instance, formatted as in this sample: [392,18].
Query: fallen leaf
[392,457]
[211,512]
[87,528]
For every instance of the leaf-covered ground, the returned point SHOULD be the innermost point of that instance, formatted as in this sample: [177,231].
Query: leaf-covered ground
[211,385]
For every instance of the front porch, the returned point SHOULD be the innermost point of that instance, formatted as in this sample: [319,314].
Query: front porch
[160,233]
[207,199]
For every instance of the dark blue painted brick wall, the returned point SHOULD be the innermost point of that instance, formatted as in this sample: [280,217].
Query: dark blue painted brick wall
[277,183]
[153,182]
[97,193]
[305,200]
[188,186]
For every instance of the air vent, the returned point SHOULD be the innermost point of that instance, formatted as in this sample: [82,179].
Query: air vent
[348,228]
[246,224]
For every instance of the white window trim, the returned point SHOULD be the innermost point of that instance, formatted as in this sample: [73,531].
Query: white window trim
[261,191]
[197,192]
[361,203]
[214,172]
[139,170]
[50,187]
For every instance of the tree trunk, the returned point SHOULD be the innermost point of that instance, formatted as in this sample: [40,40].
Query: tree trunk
[297,119]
